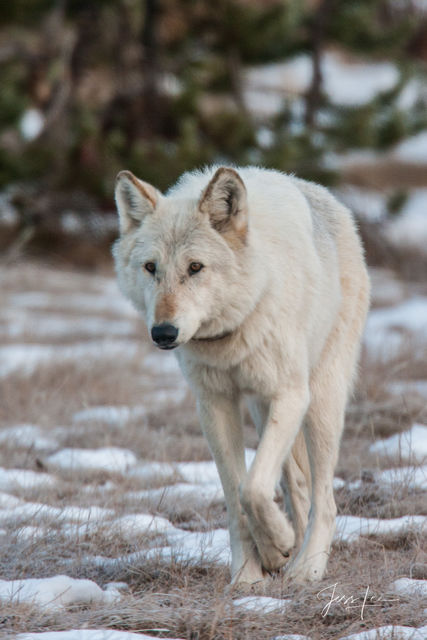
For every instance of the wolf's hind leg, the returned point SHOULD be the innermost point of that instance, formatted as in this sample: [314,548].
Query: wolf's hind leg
[329,388]
[323,426]
[296,485]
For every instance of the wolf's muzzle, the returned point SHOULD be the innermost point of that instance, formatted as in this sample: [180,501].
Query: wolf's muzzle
[164,335]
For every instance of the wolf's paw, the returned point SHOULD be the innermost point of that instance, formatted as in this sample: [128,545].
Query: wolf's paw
[245,588]
[274,545]
[259,588]
[306,569]
[273,559]
[245,579]
[273,535]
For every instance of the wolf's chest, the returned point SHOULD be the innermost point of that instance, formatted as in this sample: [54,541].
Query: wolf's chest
[254,375]
[257,375]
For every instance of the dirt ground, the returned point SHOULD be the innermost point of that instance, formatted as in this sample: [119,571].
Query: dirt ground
[70,342]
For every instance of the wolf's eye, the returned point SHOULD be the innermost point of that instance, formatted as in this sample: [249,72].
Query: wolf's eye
[150,266]
[195,267]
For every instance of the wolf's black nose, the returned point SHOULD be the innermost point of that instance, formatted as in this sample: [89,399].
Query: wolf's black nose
[164,334]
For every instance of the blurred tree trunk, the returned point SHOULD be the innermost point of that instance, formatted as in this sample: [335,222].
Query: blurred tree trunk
[317,36]
[234,68]
[87,25]
[151,119]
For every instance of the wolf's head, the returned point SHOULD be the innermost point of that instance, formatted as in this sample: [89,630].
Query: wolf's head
[181,259]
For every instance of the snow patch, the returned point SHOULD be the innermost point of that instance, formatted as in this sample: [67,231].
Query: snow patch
[386,289]
[388,329]
[34,511]
[162,364]
[390,632]
[410,315]
[368,204]
[30,533]
[85,514]
[26,435]
[148,471]
[412,150]
[138,524]
[199,472]
[42,325]
[410,477]
[8,502]
[206,472]
[410,445]
[409,227]
[113,416]
[410,587]
[408,387]
[174,396]
[113,459]
[350,528]
[262,604]
[185,547]
[25,358]
[199,494]
[53,593]
[196,548]
[21,510]
[338,483]
[291,636]
[11,479]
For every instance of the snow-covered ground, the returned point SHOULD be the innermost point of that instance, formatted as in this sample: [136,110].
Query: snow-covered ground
[55,593]
[104,476]
[390,329]
[390,632]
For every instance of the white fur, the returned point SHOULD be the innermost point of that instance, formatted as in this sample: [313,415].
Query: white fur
[284,278]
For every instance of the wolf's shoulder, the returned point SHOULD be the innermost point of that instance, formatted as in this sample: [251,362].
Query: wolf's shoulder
[273,194]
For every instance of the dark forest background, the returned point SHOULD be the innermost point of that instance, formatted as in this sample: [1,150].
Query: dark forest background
[161,86]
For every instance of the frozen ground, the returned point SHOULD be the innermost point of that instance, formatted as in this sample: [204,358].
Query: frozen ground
[112,517]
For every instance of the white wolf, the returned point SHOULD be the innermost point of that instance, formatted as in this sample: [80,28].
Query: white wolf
[259,280]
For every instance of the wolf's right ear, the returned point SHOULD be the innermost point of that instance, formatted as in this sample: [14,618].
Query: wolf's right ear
[225,201]
[134,199]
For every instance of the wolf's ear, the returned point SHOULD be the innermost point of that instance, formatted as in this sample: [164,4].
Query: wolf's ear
[134,199]
[225,201]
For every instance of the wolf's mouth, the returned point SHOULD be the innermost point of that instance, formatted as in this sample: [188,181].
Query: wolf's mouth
[167,347]
[220,336]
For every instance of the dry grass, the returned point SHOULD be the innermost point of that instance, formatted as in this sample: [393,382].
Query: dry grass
[175,600]
[190,603]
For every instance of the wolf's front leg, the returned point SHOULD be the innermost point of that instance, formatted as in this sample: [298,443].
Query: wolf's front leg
[221,423]
[270,528]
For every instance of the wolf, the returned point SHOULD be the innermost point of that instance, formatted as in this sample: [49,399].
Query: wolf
[257,280]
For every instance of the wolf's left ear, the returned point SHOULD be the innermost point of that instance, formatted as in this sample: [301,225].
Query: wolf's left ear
[134,199]
[225,201]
